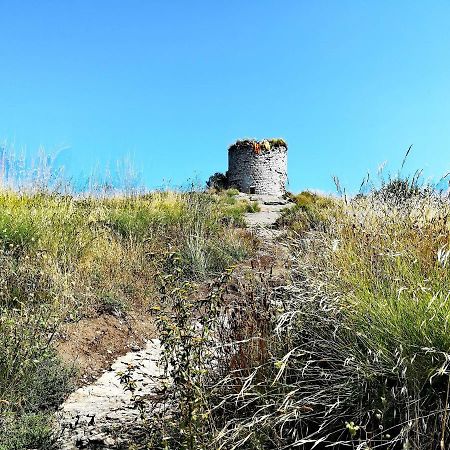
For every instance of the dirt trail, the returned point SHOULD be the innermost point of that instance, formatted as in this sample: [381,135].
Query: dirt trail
[100,415]
[263,221]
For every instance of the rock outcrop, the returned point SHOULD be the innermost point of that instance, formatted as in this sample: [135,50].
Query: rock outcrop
[102,415]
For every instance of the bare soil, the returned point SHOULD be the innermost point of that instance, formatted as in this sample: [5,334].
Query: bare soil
[92,344]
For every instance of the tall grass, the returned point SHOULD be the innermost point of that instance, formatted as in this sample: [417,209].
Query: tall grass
[354,351]
[361,349]
[65,256]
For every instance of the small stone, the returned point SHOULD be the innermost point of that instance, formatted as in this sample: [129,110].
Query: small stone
[97,439]
[83,442]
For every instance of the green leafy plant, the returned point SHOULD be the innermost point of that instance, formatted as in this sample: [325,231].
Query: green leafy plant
[185,323]
[33,380]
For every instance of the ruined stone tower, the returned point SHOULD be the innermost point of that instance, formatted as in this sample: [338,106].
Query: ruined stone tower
[258,167]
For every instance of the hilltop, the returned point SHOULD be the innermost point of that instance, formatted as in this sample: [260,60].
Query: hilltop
[328,328]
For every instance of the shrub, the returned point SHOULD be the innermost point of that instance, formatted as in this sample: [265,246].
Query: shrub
[111,304]
[231,192]
[199,347]
[401,189]
[278,142]
[29,431]
[31,376]
[253,207]
[218,182]
[33,381]
[309,212]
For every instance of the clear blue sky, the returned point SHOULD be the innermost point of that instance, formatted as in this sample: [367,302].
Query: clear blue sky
[349,84]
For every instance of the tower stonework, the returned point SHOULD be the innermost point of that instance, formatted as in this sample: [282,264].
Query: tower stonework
[258,167]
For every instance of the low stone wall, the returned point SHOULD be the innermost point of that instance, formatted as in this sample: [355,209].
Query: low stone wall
[265,170]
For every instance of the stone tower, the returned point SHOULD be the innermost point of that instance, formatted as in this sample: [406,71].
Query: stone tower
[258,167]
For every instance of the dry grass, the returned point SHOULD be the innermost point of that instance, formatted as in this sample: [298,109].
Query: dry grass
[354,352]
[361,349]
[65,257]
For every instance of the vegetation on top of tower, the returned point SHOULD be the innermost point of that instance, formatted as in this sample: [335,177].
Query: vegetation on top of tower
[264,145]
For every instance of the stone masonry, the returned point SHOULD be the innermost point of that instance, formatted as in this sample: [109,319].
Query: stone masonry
[258,167]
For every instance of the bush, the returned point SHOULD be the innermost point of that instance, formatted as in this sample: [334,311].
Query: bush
[401,189]
[199,347]
[29,431]
[309,212]
[218,182]
[33,381]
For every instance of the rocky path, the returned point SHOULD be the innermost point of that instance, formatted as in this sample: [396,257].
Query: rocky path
[263,221]
[102,414]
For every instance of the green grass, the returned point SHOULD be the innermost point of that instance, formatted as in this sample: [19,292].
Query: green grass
[365,327]
[354,351]
[29,431]
[309,211]
[64,257]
